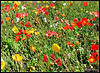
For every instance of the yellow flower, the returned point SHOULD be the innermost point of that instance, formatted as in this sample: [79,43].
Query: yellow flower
[97,2]
[36,12]
[17,57]
[56,48]
[47,6]
[16,2]
[51,63]
[2,64]
[32,68]
[38,1]
[91,5]
[42,6]
[81,8]
[77,43]
[32,30]
[87,11]
[43,1]
[15,29]
[37,33]
[53,7]
[33,10]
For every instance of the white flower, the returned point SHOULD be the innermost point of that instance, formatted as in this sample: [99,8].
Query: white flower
[45,20]
[64,4]
[2,59]
[23,7]
[43,12]
[17,19]
[53,1]
[50,25]
[56,24]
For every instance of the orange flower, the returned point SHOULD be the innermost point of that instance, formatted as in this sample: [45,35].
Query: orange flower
[63,15]
[91,59]
[68,43]
[74,24]
[7,18]
[11,9]
[32,48]
[24,38]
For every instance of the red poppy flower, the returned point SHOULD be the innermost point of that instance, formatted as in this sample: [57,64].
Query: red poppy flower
[22,23]
[95,55]
[79,24]
[45,58]
[91,59]
[19,33]
[17,38]
[89,24]
[15,5]
[57,35]
[71,27]
[53,57]
[50,68]
[28,24]
[71,45]
[73,24]
[48,8]
[43,9]
[75,19]
[52,4]
[94,47]
[24,32]
[85,4]
[70,4]
[26,3]
[58,62]
[25,14]
[11,9]
[21,30]
[33,3]
[12,22]
[46,13]
[84,21]
[7,6]
[66,28]
[2,4]
[56,18]
[28,35]
[1,21]
[48,33]
[18,15]
[61,20]
[93,19]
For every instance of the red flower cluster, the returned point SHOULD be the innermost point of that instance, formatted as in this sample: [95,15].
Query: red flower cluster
[45,58]
[2,21]
[50,34]
[17,38]
[28,24]
[94,56]
[94,47]
[52,4]
[57,61]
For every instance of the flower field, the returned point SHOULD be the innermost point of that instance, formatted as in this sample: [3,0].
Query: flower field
[49,36]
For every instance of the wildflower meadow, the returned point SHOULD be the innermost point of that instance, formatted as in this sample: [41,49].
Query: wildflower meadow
[49,36]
